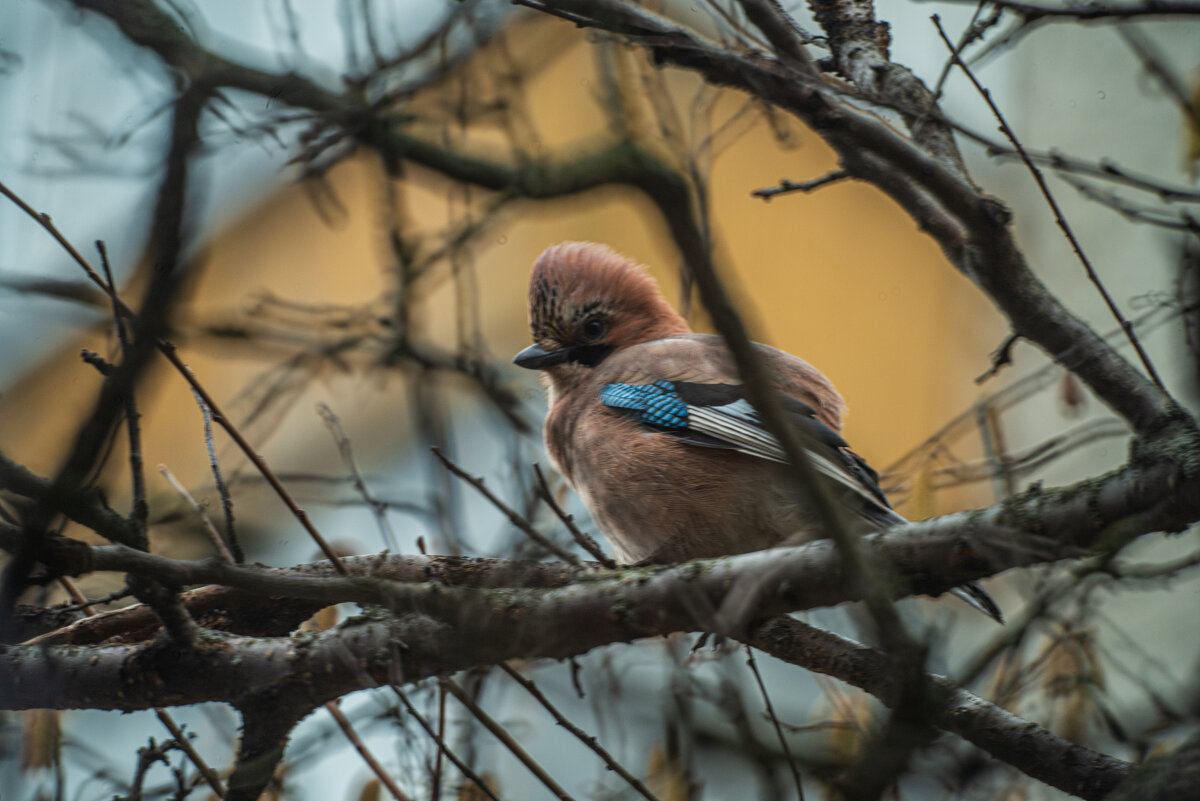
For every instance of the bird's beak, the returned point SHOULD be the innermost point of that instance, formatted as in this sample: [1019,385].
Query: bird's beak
[535,357]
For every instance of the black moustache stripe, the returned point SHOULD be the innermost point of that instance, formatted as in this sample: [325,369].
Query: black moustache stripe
[590,355]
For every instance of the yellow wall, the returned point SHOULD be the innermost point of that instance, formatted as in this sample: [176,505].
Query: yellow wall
[841,277]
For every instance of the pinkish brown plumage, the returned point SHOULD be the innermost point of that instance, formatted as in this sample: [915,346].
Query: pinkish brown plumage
[649,425]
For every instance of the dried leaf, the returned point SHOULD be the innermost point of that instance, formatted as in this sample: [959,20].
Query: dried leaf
[325,618]
[1073,674]
[469,791]
[370,790]
[1071,397]
[666,777]
[42,738]
[846,741]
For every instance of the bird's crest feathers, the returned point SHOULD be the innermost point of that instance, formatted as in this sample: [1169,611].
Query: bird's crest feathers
[573,282]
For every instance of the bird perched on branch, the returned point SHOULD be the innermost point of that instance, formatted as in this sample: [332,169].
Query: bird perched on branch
[649,424]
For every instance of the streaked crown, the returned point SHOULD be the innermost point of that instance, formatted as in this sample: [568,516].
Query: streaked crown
[584,293]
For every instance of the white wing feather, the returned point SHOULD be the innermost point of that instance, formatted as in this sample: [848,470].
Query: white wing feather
[737,423]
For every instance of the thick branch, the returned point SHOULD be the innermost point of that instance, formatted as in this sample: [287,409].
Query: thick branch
[245,612]
[482,626]
[1173,777]
[1098,11]
[85,507]
[301,673]
[860,50]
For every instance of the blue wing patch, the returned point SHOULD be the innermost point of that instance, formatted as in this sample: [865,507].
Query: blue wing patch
[658,404]
[719,416]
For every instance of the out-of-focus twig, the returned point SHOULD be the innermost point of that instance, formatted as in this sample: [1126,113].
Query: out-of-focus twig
[579,733]
[504,737]
[214,536]
[475,778]
[783,743]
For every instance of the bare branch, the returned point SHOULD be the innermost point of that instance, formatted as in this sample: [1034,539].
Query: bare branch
[770,711]
[584,541]
[414,647]
[1100,11]
[347,729]
[443,749]
[516,519]
[1037,752]
[785,186]
[579,733]
[1058,216]
[504,737]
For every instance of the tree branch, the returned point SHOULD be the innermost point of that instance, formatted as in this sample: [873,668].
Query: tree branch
[300,673]
[1033,750]
[1099,11]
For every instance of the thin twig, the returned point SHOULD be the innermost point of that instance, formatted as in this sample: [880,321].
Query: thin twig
[88,605]
[579,733]
[581,22]
[77,596]
[185,745]
[219,480]
[584,540]
[435,791]
[1058,216]
[163,600]
[783,743]
[975,30]
[995,452]
[140,509]
[1001,357]
[1183,221]
[168,350]
[344,724]
[379,508]
[441,743]
[504,737]
[217,540]
[785,186]
[514,517]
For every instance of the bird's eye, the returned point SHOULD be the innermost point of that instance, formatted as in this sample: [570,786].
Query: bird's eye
[593,328]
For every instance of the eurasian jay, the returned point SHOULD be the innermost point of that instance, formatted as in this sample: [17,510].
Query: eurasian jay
[649,424]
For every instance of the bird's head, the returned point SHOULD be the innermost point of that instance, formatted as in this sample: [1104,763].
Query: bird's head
[586,302]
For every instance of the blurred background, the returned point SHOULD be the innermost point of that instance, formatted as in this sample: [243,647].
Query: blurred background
[323,274]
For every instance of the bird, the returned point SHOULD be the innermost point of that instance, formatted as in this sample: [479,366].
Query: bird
[650,425]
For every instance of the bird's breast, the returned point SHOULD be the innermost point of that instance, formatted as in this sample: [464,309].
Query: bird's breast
[656,498]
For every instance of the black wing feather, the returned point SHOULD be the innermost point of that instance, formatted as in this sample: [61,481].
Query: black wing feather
[803,415]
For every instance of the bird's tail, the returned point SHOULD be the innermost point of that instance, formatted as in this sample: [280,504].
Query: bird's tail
[977,597]
[970,592]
